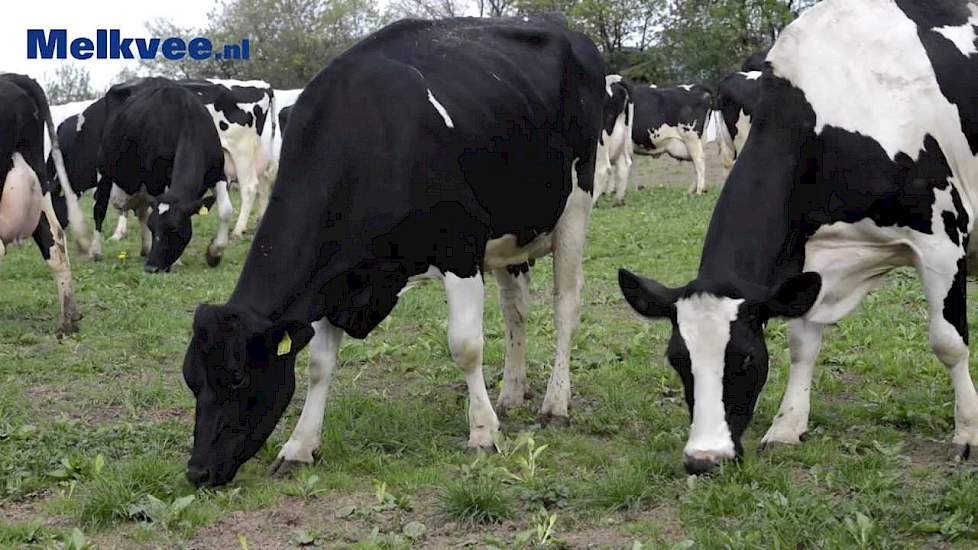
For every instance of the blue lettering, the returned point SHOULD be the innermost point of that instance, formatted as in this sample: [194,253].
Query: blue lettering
[147,48]
[245,48]
[119,47]
[81,48]
[54,43]
[174,49]
[200,48]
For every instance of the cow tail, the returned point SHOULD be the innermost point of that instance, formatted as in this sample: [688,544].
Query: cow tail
[75,219]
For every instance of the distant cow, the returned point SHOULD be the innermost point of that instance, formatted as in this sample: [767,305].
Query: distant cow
[160,154]
[615,160]
[831,193]
[25,198]
[488,162]
[737,97]
[671,121]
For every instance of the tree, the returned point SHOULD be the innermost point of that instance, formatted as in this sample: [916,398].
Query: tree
[69,83]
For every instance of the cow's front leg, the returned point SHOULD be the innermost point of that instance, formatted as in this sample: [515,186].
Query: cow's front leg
[102,195]
[307,435]
[568,245]
[695,147]
[50,239]
[224,213]
[791,422]
[145,234]
[466,300]
[947,299]
[514,296]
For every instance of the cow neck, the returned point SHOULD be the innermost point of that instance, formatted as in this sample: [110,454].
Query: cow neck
[756,237]
[277,281]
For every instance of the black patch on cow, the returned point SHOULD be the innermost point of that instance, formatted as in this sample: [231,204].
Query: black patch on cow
[616,105]
[518,269]
[951,227]
[223,125]
[737,93]
[259,118]
[955,72]
[756,62]
[955,303]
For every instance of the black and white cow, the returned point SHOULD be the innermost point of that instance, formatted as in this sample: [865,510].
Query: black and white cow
[160,153]
[827,197]
[239,111]
[489,159]
[25,198]
[737,97]
[615,160]
[671,121]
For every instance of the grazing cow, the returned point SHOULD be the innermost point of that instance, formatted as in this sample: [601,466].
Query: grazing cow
[25,199]
[615,162]
[672,120]
[489,158]
[737,97]
[827,197]
[239,111]
[160,153]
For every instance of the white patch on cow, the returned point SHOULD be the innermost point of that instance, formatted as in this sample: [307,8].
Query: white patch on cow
[163,208]
[608,81]
[892,93]
[963,36]
[441,110]
[686,87]
[752,75]
[433,273]
[496,76]
[653,86]
[81,121]
[704,323]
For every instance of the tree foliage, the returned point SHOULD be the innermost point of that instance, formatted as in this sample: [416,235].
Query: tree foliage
[69,83]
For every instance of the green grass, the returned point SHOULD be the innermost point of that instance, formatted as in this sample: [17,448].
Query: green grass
[873,473]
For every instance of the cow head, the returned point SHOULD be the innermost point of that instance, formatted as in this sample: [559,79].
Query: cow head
[718,349]
[243,378]
[170,223]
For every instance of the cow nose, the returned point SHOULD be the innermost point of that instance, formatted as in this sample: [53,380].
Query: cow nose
[198,476]
[150,268]
[700,463]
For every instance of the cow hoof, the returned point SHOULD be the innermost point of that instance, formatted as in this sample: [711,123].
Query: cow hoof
[235,236]
[770,445]
[553,420]
[476,449]
[283,467]
[960,452]
[213,260]
[619,204]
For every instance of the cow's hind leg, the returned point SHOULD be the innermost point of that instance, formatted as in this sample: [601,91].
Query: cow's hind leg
[695,147]
[248,183]
[466,300]
[568,245]
[623,168]
[50,239]
[514,294]
[946,295]
[307,435]
[121,227]
[791,422]
[224,213]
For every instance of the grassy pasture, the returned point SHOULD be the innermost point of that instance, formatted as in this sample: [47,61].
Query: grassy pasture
[95,429]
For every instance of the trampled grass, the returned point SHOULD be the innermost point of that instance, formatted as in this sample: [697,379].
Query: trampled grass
[873,473]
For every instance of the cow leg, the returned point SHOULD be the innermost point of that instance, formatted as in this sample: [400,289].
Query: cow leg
[695,147]
[623,168]
[224,213]
[50,239]
[568,244]
[121,227]
[514,295]
[791,422]
[603,172]
[947,298]
[307,435]
[248,183]
[145,234]
[466,300]
[102,194]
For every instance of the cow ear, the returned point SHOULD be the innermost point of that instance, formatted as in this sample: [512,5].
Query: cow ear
[646,296]
[194,207]
[283,340]
[794,297]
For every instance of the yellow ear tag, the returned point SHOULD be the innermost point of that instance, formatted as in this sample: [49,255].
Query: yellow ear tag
[285,345]
[203,210]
